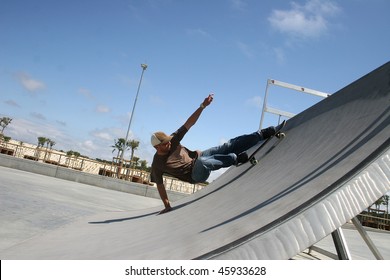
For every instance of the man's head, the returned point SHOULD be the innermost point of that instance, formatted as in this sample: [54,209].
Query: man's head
[159,138]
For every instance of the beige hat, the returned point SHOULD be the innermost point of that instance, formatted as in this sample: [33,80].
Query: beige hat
[159,138]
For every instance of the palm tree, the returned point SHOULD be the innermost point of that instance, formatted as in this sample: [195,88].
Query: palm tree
[143,164]
[378,203]
[50,143]
[120,146]
[133,144]
[41,143]
[135,162]
[4,122]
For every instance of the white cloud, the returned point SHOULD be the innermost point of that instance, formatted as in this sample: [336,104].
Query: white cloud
[102,109]
[255,101]
[29,131]
[95,145]
[310,20]
[107,134]
[29,83]
[89,146]
[103,135]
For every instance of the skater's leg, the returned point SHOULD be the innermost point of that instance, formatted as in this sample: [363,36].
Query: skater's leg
[236,145]
[241,143]
[205,164]
[226,154]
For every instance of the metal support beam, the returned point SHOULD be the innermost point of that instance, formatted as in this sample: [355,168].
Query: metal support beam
[299,88]
[367,239]
[279,112]
[341,245]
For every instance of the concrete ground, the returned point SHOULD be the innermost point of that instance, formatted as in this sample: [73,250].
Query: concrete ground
[31,204]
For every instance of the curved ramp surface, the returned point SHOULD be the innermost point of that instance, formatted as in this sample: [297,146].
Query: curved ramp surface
[334,163]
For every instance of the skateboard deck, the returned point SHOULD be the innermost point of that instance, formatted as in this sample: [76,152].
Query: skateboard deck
[278,134]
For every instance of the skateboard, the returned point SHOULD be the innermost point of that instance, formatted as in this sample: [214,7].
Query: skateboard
[278,134]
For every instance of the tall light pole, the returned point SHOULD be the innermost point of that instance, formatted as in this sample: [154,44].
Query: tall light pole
[144,66]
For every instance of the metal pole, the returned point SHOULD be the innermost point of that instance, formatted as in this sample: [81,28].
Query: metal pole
[367,239]
[144,66]
[264,105]
[341,245]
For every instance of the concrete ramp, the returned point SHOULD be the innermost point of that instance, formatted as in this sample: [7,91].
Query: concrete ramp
[334,163]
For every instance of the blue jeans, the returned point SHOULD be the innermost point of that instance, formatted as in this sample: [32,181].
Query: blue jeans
[221,156]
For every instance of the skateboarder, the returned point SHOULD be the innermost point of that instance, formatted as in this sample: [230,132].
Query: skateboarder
[195,166]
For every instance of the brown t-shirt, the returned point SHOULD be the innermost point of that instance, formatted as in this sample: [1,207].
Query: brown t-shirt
[177,163]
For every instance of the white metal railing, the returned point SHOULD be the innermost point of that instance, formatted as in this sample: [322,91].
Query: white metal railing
[275,111]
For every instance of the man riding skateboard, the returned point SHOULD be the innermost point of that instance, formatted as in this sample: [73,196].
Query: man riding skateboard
[195,166]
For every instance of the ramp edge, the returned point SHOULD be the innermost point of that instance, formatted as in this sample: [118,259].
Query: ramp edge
[319,219]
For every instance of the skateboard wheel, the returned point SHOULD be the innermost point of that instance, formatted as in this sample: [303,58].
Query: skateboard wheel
[254,161]
[280,135]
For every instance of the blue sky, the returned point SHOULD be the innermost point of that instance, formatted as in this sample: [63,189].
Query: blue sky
[69,70]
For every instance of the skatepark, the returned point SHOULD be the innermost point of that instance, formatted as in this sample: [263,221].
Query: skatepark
[333,163]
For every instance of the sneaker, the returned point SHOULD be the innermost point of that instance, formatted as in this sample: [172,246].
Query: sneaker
[242,158]
[271,131]
[267,132]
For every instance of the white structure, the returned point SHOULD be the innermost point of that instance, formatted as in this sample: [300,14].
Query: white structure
[271,110]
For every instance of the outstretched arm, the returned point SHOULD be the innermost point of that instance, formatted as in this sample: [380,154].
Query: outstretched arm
[195,116]
[164,197]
